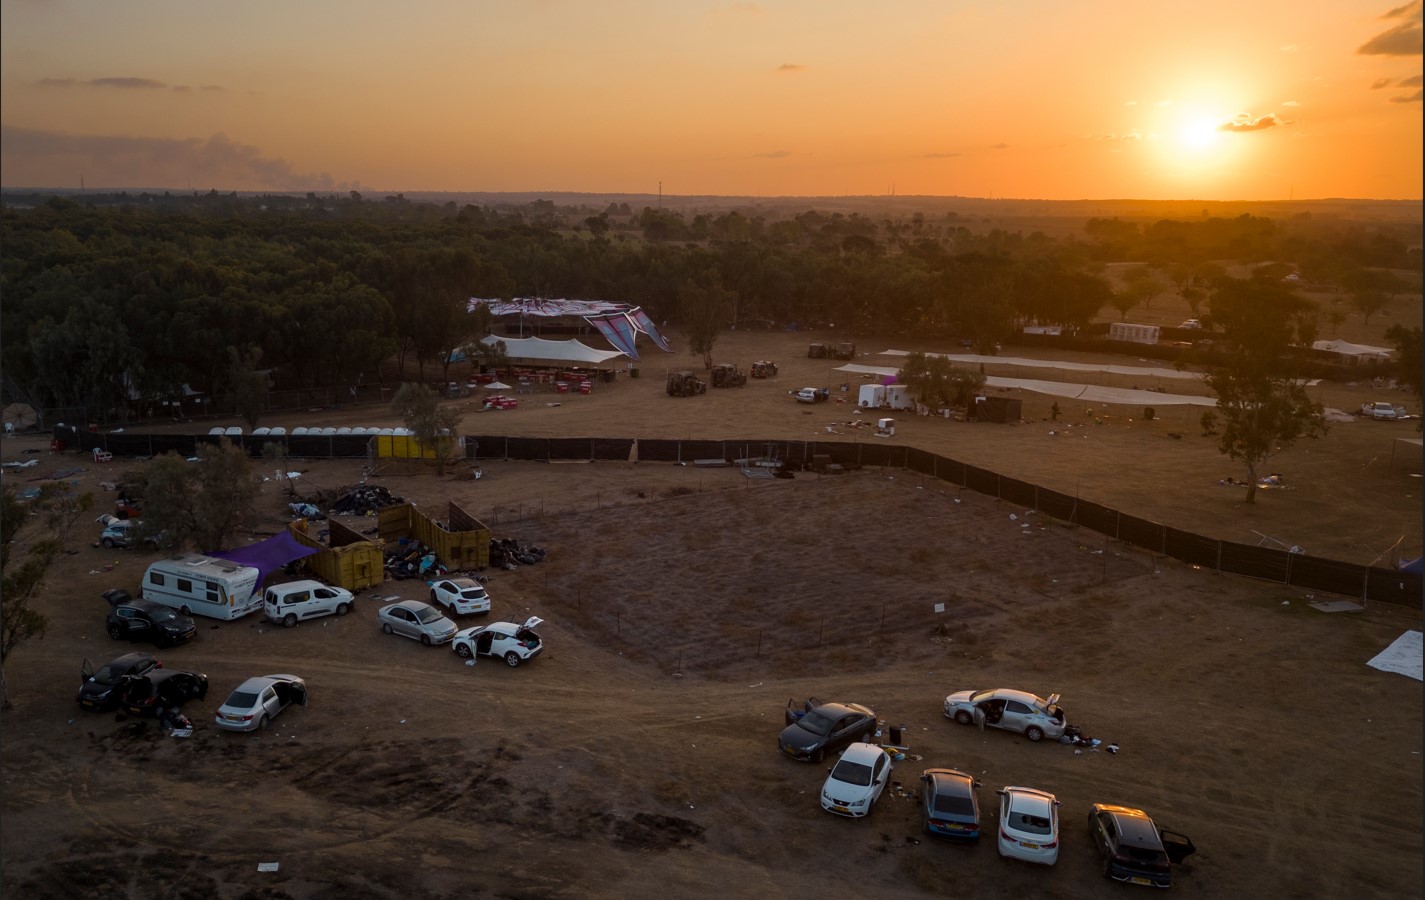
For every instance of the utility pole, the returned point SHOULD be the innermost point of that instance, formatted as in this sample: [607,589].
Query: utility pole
[660,195]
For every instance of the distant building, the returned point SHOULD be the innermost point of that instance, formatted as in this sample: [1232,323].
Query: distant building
[1137,334]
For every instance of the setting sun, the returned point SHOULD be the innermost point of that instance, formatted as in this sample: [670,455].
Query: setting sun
[1198,134]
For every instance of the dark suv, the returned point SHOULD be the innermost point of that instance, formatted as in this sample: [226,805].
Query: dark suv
[825,729]
[1133,848]
[144,620]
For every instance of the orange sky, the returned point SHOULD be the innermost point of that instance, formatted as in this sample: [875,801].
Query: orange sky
[1255,100]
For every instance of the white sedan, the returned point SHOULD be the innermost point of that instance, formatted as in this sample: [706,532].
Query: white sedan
[1032,716]
[857,781]
[1029,825]
[417,621]
[460,596]
[257,700]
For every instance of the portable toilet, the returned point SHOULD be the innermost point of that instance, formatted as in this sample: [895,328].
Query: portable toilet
[217,430]
[299,431]
[329,430]
[345,429]
[233,431]
[278,431]
[261,432]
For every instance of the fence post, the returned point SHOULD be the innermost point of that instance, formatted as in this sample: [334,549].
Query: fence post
[821,630]
[759,643]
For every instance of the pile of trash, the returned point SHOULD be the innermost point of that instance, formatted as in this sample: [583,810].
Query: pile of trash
[413,559]
[364,501]
[506,553]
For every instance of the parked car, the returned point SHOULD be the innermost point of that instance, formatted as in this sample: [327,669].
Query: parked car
[514,642]
[1029,825]
[1191,324]
[297,600]
[460,596]
[101,690]
[144,620]
[1034,717]
[1134,849]
[951,806]
[162,689]
[1381,409]
[856,781]
[257,700]
[417,621]
[120,533]
[826,729]
[812,395]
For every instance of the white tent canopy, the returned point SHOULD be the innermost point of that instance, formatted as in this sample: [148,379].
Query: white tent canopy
[551,351]
[1088,392]
[1356,351]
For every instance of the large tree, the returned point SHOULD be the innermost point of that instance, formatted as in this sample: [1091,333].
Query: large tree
[1262,405]
[705,308]
[1408,361]
[433,424]
[50,520]
[199,504]
[939,382]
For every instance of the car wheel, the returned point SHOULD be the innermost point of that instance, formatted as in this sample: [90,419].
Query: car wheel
[425,639]
[818,755]
[433,599]
[289,620]
[108,543]
[116,632]
[463,651]
[1034,733]
[386,628]
[262,724]
[963,717]
[512,659]
[342,609]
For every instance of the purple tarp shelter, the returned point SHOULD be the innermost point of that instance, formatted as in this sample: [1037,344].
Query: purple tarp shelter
[267,556]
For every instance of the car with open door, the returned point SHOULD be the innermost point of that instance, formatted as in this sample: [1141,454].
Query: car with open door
[1034,717]
[826,729]
[162,689]
[1134,849]
[514,642]
[101,690]
[257,700]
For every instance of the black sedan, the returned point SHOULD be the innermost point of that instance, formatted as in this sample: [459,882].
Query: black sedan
[144,620]
[951,807]
[162,689]
[101,690]
[1134,849]
[826,729]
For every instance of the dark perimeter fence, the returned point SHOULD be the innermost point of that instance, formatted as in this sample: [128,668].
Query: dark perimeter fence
[1298,570]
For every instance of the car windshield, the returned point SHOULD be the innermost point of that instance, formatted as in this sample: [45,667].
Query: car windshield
[242,700]
[954,804]
[849,772]
[107,675]
[816,723]
[427,615]
[977,696]
[1025,822]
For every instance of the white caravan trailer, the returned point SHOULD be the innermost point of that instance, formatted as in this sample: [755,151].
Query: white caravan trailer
[204,585]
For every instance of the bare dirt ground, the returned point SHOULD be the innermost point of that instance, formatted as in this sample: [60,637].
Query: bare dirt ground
[685,606]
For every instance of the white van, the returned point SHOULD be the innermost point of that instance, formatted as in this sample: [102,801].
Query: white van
[297,600]
[203,585]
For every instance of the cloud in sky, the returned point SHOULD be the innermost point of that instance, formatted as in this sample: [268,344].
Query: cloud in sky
[999,146]
[1409,98]
[122,83]
[1413,81]
[1402,39]
[791,67]
[1382,83]
[1290,103]
[1244,122]
[217,162]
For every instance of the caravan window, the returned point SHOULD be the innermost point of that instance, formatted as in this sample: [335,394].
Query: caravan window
[214,595]
[184,585]
[155,578]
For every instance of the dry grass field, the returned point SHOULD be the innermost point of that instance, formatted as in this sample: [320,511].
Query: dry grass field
[685,606]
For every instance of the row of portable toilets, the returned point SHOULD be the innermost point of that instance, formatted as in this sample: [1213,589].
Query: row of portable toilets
[235,431]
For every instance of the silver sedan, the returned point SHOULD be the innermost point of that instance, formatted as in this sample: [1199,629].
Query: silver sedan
[417,621]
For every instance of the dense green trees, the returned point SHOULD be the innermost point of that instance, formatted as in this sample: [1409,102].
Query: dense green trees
[126,295]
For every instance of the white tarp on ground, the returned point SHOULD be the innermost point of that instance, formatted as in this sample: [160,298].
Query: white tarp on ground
[1403,657]
[1090,393]
[1357,351]
[1137,371]
[551,351]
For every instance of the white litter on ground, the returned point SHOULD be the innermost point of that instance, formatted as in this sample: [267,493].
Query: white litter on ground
[1402,657]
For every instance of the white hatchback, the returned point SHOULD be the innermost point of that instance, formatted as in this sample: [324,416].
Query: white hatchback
[1029,825]
[461,596]
[857,781]
[294,601]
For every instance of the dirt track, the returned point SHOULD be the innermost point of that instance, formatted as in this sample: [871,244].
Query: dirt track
[684,607]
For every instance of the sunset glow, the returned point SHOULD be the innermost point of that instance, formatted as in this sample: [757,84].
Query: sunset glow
[1104,98]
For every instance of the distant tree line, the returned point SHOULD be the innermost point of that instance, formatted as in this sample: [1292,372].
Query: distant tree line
[113,297]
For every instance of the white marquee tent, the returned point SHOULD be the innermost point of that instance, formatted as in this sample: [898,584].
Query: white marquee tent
[542,350]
